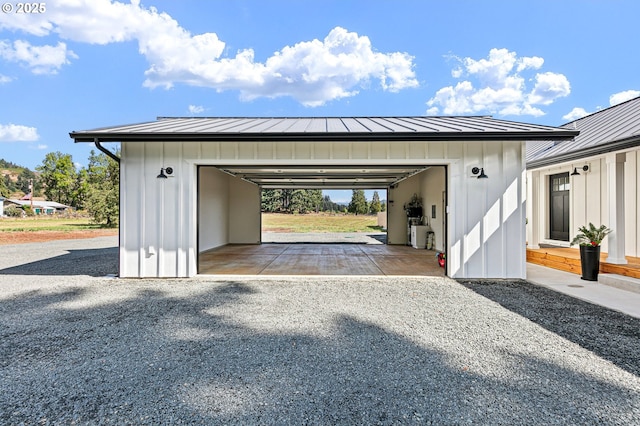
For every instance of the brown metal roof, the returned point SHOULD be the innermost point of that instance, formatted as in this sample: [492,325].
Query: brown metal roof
[324,129]
[611,129]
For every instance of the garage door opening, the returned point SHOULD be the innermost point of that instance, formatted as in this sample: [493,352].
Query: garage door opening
[356,216]
[235,236]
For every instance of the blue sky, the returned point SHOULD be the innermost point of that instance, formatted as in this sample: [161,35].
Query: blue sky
[79,65]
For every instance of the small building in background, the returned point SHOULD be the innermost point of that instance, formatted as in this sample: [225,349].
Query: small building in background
[39,206]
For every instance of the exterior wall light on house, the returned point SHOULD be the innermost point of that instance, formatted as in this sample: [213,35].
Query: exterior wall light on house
[478,172]
[163,170]
[584,168]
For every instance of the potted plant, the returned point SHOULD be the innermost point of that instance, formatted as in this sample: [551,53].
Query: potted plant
[413,208]
[589,238]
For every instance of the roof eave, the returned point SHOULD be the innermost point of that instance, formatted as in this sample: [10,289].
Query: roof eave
[585,153]
[320,137]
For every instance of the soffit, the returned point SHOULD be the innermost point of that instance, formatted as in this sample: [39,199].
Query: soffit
[329,177]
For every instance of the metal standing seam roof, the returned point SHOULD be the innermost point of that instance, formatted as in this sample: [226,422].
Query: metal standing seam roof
[39,203]
[324,129]
[611,129]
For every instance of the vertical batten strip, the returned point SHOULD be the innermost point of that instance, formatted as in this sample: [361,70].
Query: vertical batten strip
[142,211]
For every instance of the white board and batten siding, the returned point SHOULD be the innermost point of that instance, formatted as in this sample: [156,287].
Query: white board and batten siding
[589,199]
[167,221]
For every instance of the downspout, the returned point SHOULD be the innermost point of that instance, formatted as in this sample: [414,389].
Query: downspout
[117,160]
[106,151]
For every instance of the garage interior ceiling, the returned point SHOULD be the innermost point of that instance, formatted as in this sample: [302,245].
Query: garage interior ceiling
[327,177]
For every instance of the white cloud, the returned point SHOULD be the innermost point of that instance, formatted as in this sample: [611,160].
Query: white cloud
[533,62]
[496,85]
[313,72]
[195,109]
[549,86]
[40,59]
[4,79]
[575,114]
[18,133]
[618,98]
[455,100]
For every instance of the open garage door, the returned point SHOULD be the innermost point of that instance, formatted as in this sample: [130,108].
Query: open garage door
[229,228]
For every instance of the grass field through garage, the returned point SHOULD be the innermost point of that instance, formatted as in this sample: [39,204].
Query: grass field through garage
[46,223]
[271,222]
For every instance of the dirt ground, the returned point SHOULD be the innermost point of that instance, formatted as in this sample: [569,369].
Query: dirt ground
[42,236]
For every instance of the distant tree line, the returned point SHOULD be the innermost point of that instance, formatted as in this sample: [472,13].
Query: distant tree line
[94,189]
[312,201]
[292,200]
[360,205]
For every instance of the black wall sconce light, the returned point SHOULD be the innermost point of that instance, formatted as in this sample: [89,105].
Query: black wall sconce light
[479,172]
[163,170]
[584,168]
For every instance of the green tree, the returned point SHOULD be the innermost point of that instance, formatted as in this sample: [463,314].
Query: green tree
[9,184]
[25,179]
[4,190]
[14,211]
[103,190]
[375,207]
[81,188]
[291,200]
[330,206]
[311,200]
[358,204]
[58,175]
[271,200]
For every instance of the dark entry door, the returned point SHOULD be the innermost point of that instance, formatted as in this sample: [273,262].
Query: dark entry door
[559,206]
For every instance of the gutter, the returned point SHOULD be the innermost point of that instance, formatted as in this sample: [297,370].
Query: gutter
[106,151]
[584,153]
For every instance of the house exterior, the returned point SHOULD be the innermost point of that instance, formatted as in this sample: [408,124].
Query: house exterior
[192,184]
[39,206]
[595,178]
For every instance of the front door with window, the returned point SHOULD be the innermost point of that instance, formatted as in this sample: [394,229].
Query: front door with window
[559,206]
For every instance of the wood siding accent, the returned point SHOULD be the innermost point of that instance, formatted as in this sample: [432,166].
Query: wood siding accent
[568,260]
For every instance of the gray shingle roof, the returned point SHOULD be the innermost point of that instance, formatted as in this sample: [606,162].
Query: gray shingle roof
[323,128]
[611,129]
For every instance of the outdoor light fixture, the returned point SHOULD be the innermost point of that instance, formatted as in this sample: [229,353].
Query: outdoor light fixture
[163,170]
[478,172]
[584,168]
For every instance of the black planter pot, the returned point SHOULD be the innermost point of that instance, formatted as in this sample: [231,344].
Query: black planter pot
[590,262]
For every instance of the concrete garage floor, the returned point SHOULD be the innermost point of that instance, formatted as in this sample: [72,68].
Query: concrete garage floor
[319,259]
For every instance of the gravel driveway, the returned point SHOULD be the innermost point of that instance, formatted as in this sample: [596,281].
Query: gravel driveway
[80,348]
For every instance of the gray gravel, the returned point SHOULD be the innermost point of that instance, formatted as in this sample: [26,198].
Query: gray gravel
[77,347]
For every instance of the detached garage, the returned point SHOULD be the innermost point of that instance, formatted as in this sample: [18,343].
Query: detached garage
[192,184]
